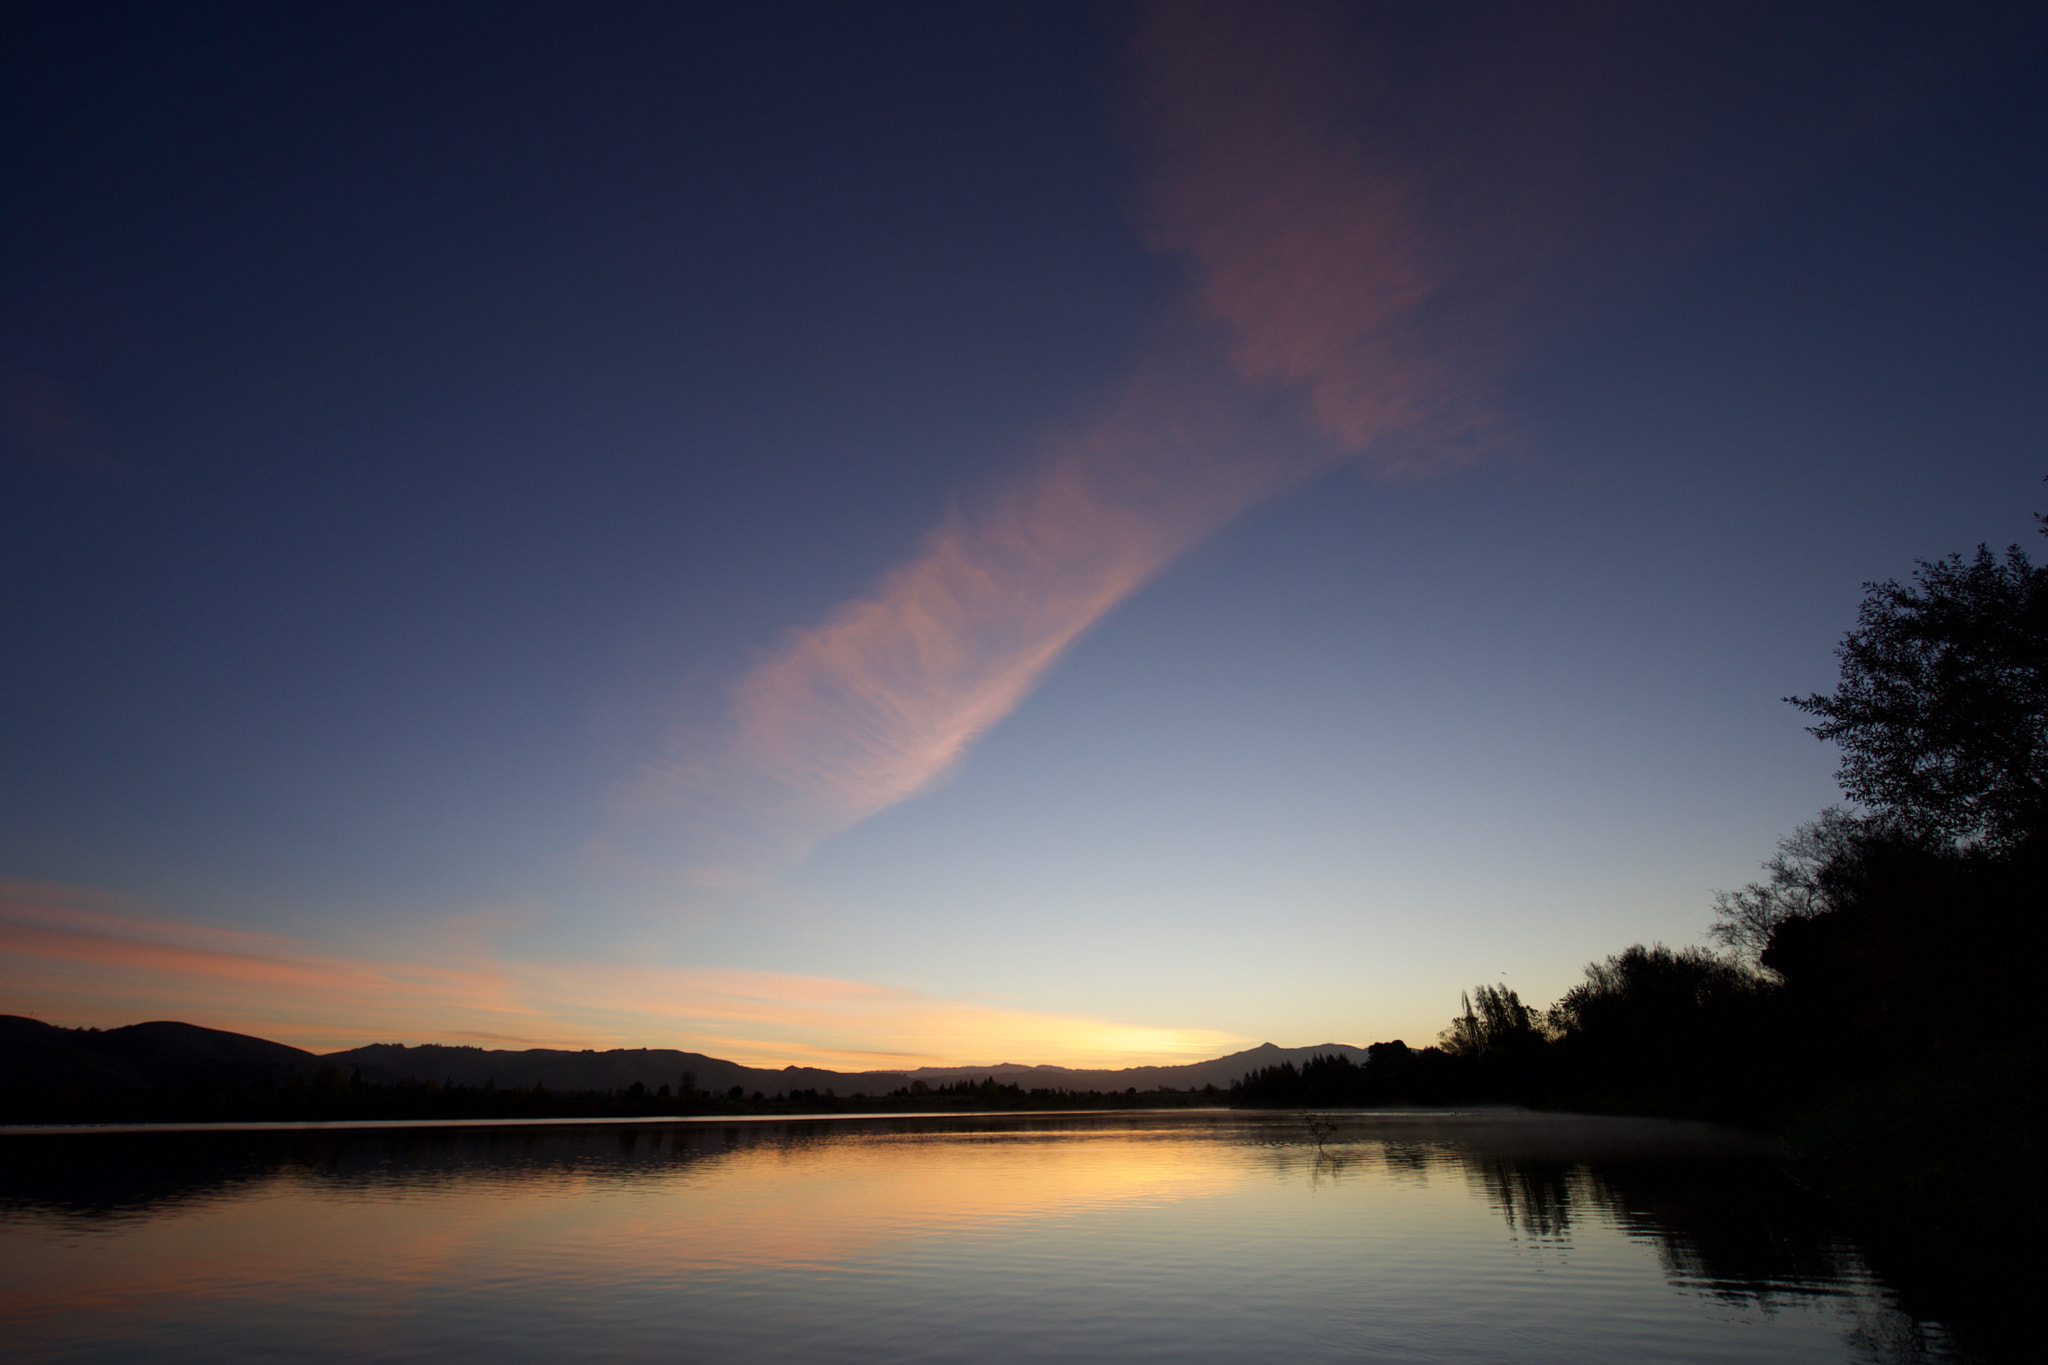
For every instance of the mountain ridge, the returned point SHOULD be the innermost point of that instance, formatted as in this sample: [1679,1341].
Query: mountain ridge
[169,1053]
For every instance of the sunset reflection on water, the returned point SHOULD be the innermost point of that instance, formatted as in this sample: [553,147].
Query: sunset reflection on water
[1179,1236]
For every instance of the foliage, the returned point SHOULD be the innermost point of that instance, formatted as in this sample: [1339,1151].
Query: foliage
[1877,1002]
[1661,1030]
[1942,713]
[1923,949]
[1650,993]
[1744,920]
[1393,1073]
[1501,1026]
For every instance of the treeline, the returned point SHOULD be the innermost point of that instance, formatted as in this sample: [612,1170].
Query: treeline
[327,1095]
[1875,996]
[324,1095]
[1908,982]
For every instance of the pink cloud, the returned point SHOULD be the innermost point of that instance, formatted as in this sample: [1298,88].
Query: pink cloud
[1312,255]
[1310,244]
[882,698]
[40,421]
[1370,247]
[73,954]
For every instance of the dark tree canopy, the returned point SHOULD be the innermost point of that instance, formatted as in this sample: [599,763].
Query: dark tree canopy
[1798,887]
[1501,1026]
[1643,994]
[1942,714]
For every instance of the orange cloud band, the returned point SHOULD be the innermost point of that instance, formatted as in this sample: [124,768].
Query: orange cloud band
[70,955]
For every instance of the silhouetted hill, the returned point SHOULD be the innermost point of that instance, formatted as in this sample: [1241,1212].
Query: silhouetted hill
[1221,1072]
[617,1069]
[384,1063]
[141,1056]
[163,1054]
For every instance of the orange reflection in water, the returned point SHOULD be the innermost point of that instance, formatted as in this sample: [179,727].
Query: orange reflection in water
[1166,1237]
[787,1200]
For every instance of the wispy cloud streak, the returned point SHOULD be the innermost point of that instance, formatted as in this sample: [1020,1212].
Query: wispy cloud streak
[1377,215]
[879,700]
[1305,239]
[1309,262]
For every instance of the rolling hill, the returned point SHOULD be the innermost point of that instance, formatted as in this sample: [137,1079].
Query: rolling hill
[170,1054]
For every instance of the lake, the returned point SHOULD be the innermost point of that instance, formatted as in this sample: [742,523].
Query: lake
[1137,1236]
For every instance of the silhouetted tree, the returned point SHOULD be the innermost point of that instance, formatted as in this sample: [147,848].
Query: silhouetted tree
[1501,1026]
[1745,919]
[1942,713]
[1648,993]
[1497,1047]
[1675,1031]
[1322,1082]
[1922,947]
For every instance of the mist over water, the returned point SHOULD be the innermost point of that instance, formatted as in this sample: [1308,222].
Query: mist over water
[1199,1235]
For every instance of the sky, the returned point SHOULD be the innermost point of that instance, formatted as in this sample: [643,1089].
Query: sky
[919,534]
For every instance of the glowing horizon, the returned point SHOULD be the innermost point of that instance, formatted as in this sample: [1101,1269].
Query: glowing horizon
[79,952]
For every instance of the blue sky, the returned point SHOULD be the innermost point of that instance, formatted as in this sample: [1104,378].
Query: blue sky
[1050,533]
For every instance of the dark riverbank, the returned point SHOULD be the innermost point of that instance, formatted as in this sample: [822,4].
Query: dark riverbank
[326,1097]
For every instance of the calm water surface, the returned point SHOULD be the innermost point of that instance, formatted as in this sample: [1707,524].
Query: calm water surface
[1184,1236]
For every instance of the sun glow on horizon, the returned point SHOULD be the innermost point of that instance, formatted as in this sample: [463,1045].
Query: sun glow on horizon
[76,954]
